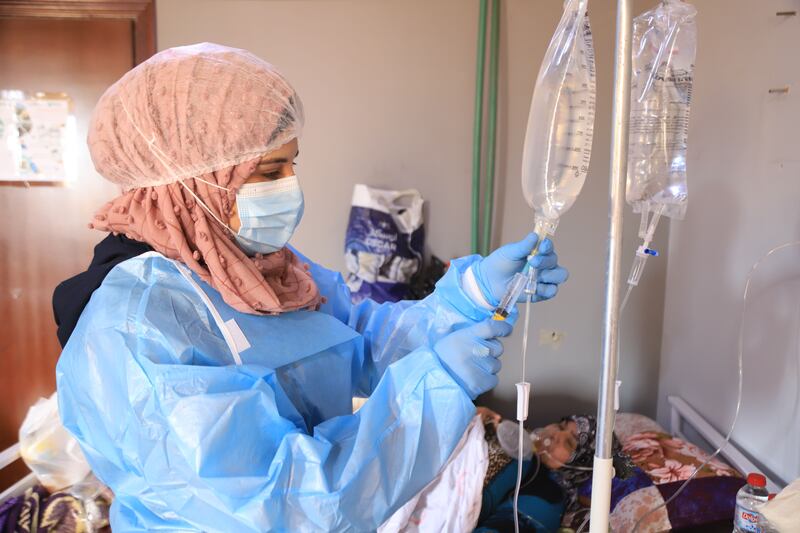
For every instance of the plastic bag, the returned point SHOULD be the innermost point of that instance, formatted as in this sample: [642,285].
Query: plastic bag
[558,140]
[384,243]
[95,499]
[664,48]
[51,453]
[783,511]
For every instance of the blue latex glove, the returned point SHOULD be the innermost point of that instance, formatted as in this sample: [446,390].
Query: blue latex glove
[471,354]
[494,272]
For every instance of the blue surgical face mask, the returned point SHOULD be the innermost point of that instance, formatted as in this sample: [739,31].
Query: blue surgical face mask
[269,214]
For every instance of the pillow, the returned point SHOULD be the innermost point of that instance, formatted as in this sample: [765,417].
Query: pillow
[628,424]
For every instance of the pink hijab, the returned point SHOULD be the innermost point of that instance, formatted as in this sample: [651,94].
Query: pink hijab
[189,123]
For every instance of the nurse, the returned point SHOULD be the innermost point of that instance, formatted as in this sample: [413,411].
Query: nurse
[208,367]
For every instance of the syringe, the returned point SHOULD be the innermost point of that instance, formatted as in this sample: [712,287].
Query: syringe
[514,291]
[519,282]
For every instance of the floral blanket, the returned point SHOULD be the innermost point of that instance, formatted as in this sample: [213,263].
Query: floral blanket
[704,501]
[663,463]
[666,459]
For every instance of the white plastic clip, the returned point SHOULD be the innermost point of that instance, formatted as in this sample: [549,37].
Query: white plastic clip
[523,393]
[617,385]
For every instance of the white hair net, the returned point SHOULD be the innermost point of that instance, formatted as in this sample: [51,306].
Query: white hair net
[188,111]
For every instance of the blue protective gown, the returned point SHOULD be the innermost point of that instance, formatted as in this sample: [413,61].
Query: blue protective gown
[202,418]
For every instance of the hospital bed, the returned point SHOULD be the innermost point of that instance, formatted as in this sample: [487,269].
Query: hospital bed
[8,456]
[682,415]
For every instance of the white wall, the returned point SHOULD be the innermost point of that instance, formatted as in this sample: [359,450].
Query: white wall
[388,88]
[744,167]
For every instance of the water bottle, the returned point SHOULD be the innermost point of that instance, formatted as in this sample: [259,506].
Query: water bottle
[748,500]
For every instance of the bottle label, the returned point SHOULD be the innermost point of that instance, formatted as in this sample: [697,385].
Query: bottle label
[747,520]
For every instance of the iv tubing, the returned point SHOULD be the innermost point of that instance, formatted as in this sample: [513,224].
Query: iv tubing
[518,485]
[625,298]
[530,289]
[477,131]
[491,129]
[603,469]
[740,358]
[535,473]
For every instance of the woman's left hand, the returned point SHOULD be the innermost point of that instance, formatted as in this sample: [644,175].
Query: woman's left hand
[495,271]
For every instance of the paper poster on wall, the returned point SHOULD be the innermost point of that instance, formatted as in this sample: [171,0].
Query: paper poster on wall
[37,137]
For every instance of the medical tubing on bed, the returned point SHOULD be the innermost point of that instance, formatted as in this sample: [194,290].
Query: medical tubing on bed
[535,473]
[583,524]
[741,380]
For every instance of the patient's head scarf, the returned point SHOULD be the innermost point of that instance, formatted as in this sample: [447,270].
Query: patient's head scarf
[180,133]
[573,474]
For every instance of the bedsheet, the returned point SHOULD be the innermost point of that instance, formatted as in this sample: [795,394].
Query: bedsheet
[663,463]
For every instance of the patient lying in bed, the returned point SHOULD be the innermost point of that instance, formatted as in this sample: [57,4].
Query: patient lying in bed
[650,466]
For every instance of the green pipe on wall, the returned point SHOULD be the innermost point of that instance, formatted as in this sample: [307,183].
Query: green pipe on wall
[478,128]
[491,129]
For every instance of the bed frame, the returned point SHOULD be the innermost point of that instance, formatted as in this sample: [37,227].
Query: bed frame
[8,456]
[681,414]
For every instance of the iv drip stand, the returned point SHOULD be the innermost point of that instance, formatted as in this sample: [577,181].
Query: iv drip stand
[606,408]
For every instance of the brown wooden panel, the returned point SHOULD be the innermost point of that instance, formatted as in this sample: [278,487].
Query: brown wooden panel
[43,234]
[140,13]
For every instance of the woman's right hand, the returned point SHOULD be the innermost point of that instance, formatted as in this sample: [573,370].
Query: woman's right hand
[471,355]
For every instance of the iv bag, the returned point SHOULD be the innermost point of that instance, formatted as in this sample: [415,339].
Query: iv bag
[558,141]
[664,45]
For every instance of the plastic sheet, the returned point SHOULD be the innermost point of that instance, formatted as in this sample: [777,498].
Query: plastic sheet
[51,453]
[200,417]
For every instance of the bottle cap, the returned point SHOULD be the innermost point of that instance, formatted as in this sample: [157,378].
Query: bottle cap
[756,480]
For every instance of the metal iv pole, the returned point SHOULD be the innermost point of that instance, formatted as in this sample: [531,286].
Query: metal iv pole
[603,470]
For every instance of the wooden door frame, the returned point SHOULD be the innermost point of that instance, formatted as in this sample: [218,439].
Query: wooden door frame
[141,14]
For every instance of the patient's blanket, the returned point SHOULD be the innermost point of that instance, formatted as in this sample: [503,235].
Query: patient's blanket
[452,501]
[663,462]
